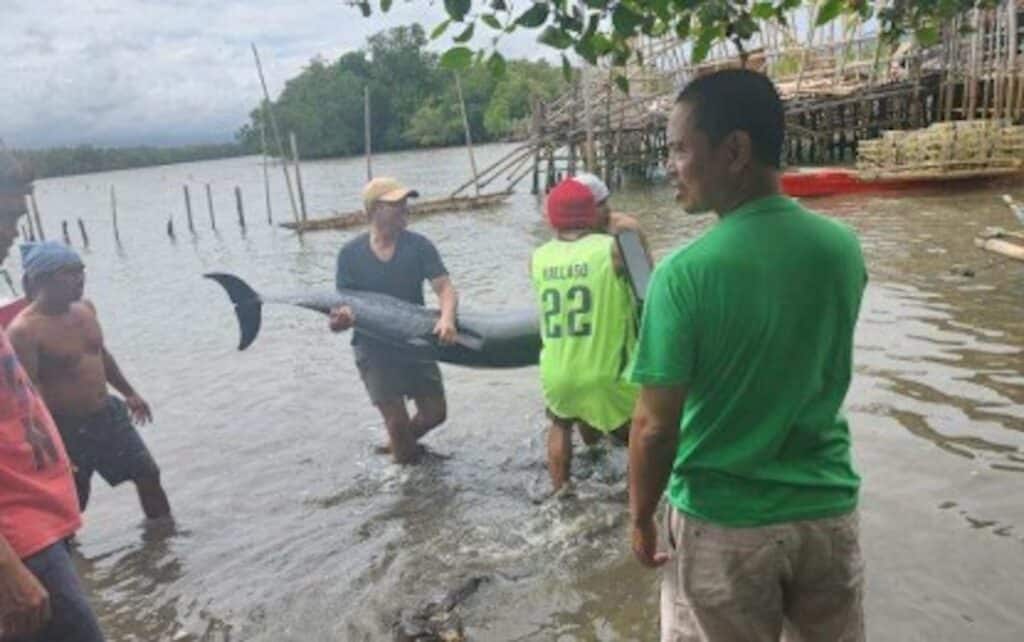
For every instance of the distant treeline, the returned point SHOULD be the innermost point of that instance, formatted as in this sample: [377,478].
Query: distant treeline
[83,159]
[414,102]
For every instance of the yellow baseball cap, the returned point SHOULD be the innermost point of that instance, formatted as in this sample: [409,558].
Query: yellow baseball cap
[385,190]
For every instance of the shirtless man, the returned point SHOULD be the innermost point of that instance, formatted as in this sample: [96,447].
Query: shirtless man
[59,342]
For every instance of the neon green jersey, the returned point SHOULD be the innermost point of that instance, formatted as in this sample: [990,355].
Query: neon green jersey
[588,328]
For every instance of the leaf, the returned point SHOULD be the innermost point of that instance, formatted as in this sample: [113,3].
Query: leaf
[705,39]
[585,48]
[385,5]
[927,35]
[499,5]
[466,34]
[622,83]
[625,20]
[365,8]
[683,28]
[491,21]
[457,58]
[457,9]
[440,29]
[535,16]
[555,37]
[763,11]
[828,12]
[496,65]
[566,68]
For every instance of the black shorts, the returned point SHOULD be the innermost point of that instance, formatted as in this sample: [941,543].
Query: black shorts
[105,442]
[388,379]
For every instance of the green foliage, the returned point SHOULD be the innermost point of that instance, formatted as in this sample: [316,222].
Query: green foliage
[413,97]
[85,159]
[608,29]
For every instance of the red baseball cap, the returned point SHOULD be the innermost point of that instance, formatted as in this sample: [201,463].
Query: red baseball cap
[571,206]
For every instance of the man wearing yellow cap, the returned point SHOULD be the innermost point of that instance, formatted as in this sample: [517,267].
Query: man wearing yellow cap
[392,260]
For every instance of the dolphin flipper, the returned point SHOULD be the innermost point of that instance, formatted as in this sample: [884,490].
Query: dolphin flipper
[248,305]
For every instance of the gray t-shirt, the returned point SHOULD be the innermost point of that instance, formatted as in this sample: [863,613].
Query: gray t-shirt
[415,260]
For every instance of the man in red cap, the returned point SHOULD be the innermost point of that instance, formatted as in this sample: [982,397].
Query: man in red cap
[588,327]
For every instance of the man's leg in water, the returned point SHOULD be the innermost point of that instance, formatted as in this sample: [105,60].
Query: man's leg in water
[152,497]
[559,451]
[431,412]
[399,427]
[589,434]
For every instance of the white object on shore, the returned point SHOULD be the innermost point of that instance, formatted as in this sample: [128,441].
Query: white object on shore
[1017,210]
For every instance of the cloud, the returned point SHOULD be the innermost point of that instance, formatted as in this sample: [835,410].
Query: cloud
[166,72]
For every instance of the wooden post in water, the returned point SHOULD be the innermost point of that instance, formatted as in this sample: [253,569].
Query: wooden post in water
[266,169]
[366,133]
[113,213]
[238,204]
[298,175]
[170,227]
[35,213]
[188,210]
[469,138]
[209,206]
[64,231]
[277,134]
[85,237]
[589,158]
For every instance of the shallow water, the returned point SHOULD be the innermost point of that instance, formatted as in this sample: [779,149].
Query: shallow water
[290,528]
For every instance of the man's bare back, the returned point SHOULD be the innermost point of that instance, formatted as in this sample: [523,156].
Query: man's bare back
[69,366]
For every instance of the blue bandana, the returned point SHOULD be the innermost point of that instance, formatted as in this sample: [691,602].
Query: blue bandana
[47,257]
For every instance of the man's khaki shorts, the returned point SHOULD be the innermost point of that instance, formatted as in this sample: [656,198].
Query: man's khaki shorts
[802,580]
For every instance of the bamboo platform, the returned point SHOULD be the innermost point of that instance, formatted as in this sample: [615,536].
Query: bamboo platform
[1008,244]
[339,221]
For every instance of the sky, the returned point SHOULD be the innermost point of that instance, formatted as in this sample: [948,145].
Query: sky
[168,72]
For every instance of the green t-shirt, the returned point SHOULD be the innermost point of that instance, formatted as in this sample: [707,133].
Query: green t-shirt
[755,319]
[588,328]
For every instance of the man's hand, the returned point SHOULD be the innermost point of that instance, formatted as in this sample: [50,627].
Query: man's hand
[139,409]
[645,544]
[445,331]
[341,318]
[24,603]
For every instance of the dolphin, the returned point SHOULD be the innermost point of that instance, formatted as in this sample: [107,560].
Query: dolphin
[496,340]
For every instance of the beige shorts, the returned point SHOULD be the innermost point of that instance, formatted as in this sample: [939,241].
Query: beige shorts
[798,581]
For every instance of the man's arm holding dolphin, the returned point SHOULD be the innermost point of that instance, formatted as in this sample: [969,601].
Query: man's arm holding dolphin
[449,301]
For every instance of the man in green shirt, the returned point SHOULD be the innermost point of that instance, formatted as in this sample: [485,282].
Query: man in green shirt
[588,327]
[744,359]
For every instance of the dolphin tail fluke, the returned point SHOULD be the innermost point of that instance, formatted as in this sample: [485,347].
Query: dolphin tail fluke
[248,305]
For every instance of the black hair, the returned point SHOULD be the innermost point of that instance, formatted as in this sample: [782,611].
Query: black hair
[739,99]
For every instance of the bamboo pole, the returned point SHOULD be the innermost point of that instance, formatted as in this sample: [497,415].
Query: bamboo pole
[469,137]
[209,206]
[238,205]
[35,213]
[366,133]
[589,157]
[1011,61]
[492,167]
[113,215]
[277,134]
[1011,90]
[30,232]
[188,209]
[972,78]
[85,237]
[64,231]
[298,175]
[266,170]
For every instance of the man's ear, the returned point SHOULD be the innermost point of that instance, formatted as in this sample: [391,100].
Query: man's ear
[740,150]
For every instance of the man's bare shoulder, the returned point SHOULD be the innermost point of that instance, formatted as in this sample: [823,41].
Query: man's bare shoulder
[85,306]
[23,328]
